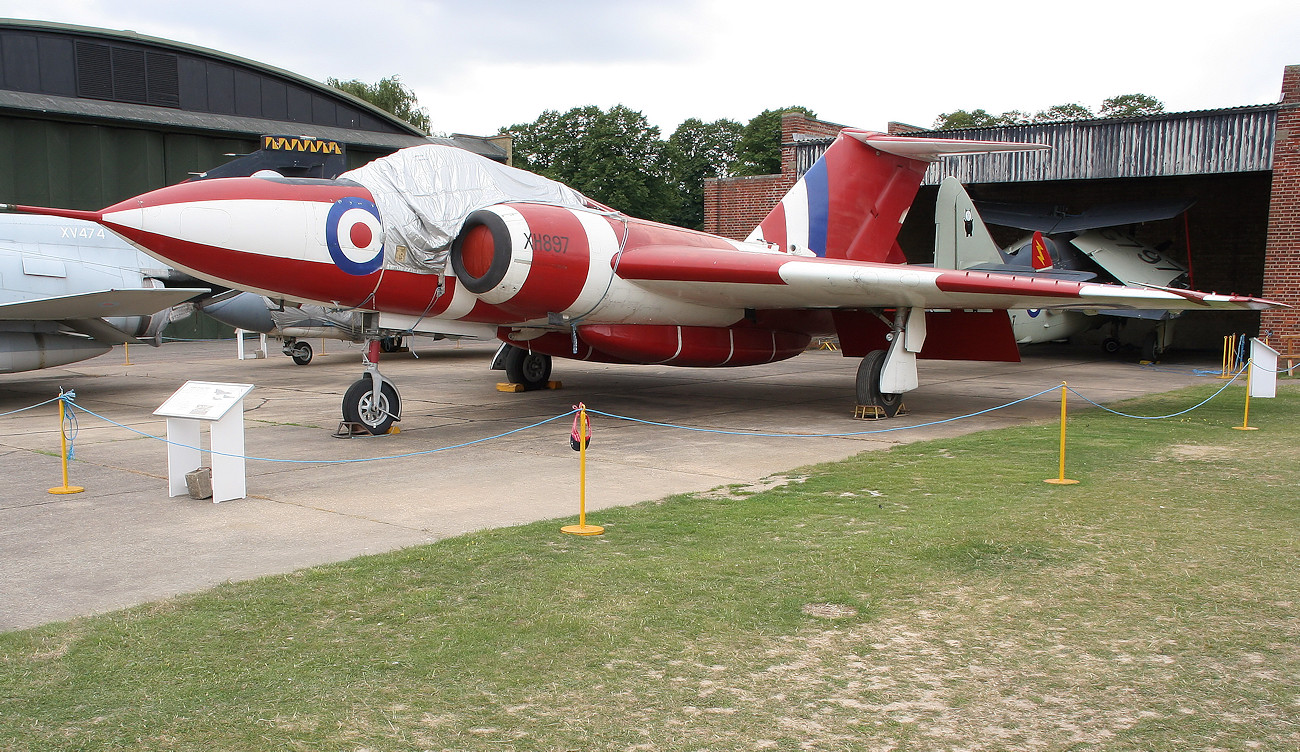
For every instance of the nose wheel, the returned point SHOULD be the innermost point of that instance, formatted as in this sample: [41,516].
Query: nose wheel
[376,410]
[372,400]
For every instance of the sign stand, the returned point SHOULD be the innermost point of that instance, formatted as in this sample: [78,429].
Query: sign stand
[257,354]
[1263,367]
[222,407]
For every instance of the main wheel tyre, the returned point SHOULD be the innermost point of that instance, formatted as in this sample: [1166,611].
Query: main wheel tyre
[1110,345]
[868,385]
[1151,349]
[375,412]
[301,353]
[531,369]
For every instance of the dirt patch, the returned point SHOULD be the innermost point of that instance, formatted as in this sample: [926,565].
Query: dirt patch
[829,610]
[743,491]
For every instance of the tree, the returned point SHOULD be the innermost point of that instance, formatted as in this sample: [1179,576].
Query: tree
[388,95]
[615,157]
[1131,105]
[696,151]
[964,119]
[1060,112]
[1124,105]
[979,119]
[759,151]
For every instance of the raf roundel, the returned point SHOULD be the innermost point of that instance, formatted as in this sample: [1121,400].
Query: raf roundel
[354,236]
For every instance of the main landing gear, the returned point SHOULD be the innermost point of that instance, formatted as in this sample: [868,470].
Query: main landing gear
[868,385]
[531,369]
[299,350]
[372,401]
[884,375]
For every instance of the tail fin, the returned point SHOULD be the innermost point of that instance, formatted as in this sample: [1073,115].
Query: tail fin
[851,203]
[960,238]
[1041,258]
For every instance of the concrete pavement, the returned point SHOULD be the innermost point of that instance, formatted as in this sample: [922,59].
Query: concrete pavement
[123,541]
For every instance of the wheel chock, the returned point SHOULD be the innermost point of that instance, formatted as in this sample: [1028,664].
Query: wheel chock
[348,429]
[875,412]
[506,386]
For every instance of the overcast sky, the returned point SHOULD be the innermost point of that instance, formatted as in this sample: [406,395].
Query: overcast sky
[479,65]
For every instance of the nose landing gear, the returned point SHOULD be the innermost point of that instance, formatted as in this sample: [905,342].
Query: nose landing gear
[372,401]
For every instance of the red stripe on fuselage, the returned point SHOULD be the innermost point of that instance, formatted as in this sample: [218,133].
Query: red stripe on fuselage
[643,232]
[686,264]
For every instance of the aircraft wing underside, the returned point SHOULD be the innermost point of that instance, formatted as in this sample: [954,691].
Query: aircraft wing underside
[98,304]
[742,279]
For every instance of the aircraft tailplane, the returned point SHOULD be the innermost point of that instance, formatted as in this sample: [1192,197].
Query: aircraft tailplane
[852,202]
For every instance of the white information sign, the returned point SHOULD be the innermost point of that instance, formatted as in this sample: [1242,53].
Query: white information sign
[221,406]
[1263,369]
[203,400]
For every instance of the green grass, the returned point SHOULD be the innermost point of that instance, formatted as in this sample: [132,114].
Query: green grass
[936,596]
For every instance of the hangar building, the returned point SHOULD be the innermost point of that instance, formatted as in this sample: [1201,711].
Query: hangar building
[89,117]
[1241,166]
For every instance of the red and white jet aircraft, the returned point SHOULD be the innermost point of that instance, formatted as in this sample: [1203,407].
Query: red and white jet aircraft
[551,273]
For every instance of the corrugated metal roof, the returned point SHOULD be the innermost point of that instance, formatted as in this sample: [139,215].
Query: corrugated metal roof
[391,120]
[45,106]
[1238,139]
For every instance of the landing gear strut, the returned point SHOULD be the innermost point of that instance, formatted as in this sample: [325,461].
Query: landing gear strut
[372,400]
[884,375]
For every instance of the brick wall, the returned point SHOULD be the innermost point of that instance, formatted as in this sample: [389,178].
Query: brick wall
[1282,252]
[733,207]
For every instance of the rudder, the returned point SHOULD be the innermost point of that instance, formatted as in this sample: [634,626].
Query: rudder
[851,203]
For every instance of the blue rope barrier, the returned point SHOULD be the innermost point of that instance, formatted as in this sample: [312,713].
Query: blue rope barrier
[50,401]
[332,461]
[69,399]
[821,435]
[1160,417]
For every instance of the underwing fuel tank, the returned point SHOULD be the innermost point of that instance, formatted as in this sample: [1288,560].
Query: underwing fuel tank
[30,351]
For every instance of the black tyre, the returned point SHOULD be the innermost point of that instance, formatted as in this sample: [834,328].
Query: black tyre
[531,369]
[361,406]
[1110,345]
[1151,349]
[302,353]
[868,385]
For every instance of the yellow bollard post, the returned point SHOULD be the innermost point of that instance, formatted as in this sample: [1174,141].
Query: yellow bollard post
[126,347]
[584,438]
[63,454]
[1245,419]
[1060,479]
